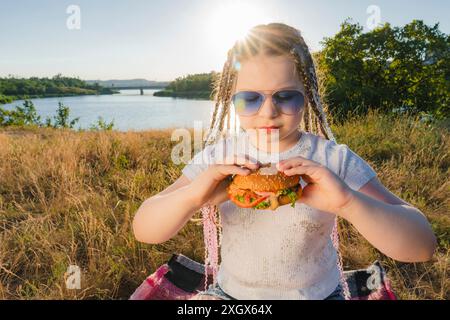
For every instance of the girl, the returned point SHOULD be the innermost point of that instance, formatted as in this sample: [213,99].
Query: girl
[286,254]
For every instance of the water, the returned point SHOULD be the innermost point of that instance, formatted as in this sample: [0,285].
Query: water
[128,109]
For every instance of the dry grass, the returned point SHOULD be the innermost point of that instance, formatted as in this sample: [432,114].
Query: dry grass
[69,197]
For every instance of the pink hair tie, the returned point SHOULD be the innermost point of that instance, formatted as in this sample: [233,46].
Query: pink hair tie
[335,240]
[210,225]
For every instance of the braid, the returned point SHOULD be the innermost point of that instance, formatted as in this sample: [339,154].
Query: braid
[228,100]
[217,99]
[221,88]
[212,230]
[305,120]
[306,69]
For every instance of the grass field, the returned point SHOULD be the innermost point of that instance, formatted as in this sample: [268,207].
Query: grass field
[69,198]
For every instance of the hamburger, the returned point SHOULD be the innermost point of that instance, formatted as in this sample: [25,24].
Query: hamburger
[265,188]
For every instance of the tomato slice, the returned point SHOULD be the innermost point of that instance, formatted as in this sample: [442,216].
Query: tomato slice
[247,198]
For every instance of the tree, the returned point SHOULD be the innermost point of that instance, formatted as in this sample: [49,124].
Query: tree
[14,88]
[387,68]
[20,116]
[61,120]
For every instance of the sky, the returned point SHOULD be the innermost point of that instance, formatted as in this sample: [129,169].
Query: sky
[164,39]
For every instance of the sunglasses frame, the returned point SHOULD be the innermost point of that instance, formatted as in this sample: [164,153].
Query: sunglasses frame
[265,96]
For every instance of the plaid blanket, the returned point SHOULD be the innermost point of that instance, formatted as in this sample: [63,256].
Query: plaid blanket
[181,277]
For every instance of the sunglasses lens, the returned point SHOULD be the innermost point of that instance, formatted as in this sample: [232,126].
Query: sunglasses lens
[289,101]
[247,103]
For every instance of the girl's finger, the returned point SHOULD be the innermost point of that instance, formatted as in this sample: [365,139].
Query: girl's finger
[293,162]
[312,172]
[228,170]
[219,196]
[306,178]
[242,160]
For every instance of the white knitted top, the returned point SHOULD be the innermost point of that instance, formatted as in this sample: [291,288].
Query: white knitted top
[286,253]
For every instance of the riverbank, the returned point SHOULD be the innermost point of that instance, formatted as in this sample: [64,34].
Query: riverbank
[10,99]
[68,198]
[201,95]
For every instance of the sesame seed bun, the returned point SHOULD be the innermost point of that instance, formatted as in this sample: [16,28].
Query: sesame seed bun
[265,183]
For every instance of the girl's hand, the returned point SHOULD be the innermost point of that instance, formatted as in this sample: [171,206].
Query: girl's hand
[325,190]
[210,186]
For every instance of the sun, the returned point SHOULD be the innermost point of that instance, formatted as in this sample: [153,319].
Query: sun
[230,21]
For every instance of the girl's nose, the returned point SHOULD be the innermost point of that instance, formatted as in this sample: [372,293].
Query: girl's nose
[268,109]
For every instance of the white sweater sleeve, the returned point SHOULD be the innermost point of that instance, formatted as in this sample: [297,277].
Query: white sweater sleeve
[353,169]
[198,163]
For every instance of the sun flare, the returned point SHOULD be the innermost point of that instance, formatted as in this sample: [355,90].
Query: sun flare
[231,21]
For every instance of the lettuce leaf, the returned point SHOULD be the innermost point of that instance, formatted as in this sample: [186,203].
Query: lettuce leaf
[290,193]
[262,205]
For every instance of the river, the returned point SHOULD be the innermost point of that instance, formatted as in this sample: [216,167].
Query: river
[128,109]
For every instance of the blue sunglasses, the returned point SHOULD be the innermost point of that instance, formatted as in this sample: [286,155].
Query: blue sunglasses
[248,103]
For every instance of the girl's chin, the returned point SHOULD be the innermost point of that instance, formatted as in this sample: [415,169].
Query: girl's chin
[267,137]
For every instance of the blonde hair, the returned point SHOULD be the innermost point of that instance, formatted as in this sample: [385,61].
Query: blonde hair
[271,39]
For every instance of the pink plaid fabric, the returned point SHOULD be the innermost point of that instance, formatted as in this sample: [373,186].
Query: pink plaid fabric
[158,287]
[384,292]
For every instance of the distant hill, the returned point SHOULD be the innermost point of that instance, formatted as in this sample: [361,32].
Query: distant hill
[129,83]
[192,86]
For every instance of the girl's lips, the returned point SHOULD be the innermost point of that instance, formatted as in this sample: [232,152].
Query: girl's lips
[269,129]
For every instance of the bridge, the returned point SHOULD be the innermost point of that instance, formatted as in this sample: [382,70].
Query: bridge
[135,87]
[140,88]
